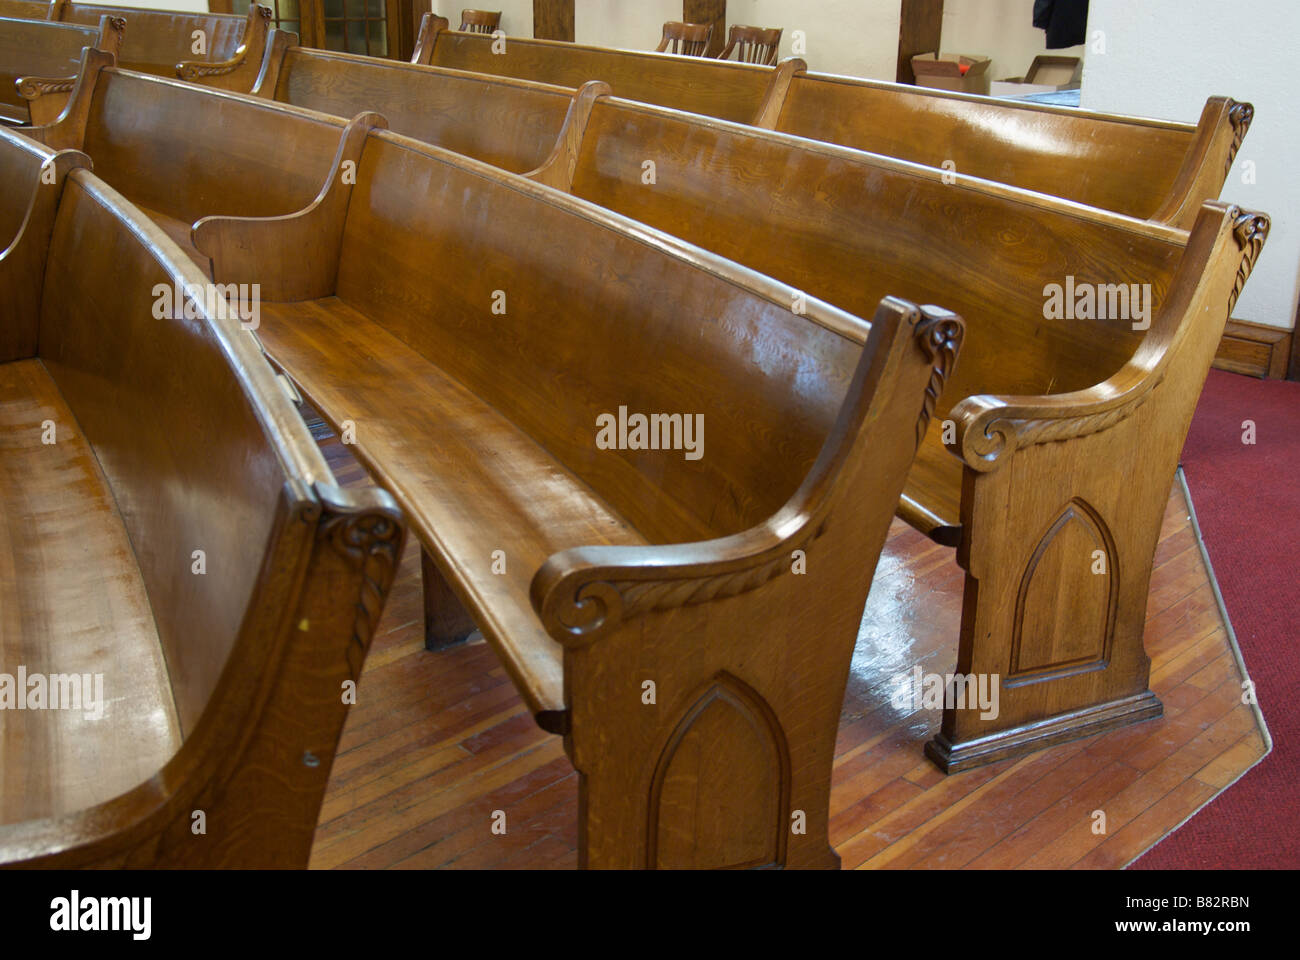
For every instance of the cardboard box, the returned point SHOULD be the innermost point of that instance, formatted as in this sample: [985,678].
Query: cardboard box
[1047,74]
[944,71]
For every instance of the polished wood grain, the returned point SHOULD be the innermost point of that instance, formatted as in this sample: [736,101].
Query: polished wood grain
[438,742]
[220,686]
[35,56]
[752,44]
[1254,349]
[686,39]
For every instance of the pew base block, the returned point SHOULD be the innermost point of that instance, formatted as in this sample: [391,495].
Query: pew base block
[1028,738]
[446,621]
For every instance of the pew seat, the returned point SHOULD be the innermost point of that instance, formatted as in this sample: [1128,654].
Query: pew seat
[74,602]
[395,395]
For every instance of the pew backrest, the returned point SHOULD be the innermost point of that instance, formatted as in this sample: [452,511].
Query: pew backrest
[1148,169]
[27,9]
[512,124]
[855,227]
[733,91]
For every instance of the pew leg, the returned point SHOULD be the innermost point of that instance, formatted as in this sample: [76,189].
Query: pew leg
[446,621]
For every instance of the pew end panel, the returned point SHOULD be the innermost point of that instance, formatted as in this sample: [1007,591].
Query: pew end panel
[196,444]
[33,176]
[278,44]
[720,631]
[1064,533]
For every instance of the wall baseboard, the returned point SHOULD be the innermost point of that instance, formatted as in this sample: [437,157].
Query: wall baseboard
[1254,349]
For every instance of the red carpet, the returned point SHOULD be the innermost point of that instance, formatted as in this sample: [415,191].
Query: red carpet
[1247,499]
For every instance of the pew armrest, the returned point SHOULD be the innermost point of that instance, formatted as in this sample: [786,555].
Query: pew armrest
[31,88]
[68,128]
[559,168]
[430,26]
[295,256]
[989,429]
[240,72]
[582,593]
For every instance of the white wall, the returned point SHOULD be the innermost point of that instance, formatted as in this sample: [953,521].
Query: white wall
[854,37]
[516,15]
[1163,58]
[629,24]
[1001,29]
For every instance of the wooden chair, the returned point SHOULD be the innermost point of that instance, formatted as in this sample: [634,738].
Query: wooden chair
[480,21]
[180,552]
[753,44]
[686,39]
[39,59]
[1062,151]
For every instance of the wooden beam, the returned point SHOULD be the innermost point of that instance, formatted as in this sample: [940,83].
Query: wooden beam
[709,11]
[1294,372]
[553,20]
[920,28]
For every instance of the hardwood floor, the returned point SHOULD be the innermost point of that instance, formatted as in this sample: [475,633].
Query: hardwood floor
[439,742]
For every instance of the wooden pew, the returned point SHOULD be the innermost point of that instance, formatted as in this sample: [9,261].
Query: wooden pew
[1062,435]
[582,566]
[512,124]
[716,88]
[35,49]
[163,42]
[598,574]
[183,575]
[1150,169]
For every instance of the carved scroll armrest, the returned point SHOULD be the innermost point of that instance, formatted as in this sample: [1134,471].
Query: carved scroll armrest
[254,44]
[990,429]
[583,593]
[32,88]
